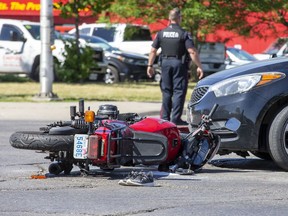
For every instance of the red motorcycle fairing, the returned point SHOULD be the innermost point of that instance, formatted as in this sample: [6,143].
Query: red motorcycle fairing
[103,144]
[165,128]
[149,141]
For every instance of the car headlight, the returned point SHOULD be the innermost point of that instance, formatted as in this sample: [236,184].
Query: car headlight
[244,83]
[141,62]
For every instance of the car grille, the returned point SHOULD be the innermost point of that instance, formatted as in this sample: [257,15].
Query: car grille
[198,94]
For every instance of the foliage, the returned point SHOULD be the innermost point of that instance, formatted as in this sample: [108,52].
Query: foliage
[75,68]
[13,78]
[78,60]
[72,8]
[205,16]
[200,16]
[75,8]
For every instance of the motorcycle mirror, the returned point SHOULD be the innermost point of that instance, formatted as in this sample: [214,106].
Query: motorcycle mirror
[232,124]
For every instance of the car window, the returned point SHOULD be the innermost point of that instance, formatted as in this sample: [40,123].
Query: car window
[276,46]
[136,33]
[85,31]
[106,33]
[10,33]
[34,31]
[285,51]
[100,42]
[242,55]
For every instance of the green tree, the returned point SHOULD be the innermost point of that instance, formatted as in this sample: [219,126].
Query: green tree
[74,9]
[84,63]
[205,16]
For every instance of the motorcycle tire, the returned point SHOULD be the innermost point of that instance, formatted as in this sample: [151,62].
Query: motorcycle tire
[41,141]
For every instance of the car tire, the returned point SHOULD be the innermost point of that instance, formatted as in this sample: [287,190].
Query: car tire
[35,75]
[112,75]
[278,139]
[41,141]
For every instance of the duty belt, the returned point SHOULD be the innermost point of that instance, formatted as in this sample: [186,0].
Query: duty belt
[171,56]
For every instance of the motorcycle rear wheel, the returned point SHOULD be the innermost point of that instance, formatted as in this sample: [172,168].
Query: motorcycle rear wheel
[41,141]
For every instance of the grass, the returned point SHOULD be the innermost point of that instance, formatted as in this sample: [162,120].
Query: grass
[142,91]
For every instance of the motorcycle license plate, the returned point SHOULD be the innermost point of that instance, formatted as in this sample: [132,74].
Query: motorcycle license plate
[80,146]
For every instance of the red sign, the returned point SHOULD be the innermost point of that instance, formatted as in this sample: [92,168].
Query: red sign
[27,8]
[18,7]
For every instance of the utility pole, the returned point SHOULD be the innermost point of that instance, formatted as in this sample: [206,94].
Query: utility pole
[46,58]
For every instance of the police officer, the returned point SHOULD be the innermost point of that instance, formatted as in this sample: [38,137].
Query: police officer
[174,43]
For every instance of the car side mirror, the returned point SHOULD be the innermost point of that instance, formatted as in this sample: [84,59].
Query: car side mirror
[22,38]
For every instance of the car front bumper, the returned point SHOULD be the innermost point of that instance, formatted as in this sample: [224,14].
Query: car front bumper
[241,106]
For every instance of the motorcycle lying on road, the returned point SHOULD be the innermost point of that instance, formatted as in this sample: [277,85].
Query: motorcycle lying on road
[109,140]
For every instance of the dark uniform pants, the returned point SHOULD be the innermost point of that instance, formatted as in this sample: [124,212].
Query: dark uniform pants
[174,82]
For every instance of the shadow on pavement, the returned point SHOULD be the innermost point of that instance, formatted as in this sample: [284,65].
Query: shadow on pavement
[246,164]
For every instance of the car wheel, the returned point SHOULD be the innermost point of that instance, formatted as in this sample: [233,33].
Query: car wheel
[278,139]
[112,75]
[35,75]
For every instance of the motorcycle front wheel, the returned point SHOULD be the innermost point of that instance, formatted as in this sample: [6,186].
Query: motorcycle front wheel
[41,141]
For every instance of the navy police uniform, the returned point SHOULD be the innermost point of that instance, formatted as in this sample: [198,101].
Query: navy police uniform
[174,42]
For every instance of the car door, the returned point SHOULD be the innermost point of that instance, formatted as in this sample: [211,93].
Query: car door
[11,49]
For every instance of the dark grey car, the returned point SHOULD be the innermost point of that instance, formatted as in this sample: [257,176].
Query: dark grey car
[122,65]
[257,95]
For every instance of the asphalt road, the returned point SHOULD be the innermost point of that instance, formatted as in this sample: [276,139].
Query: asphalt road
[231,185]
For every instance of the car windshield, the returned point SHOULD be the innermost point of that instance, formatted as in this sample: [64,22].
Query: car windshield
[100,42]
[241,54]
[136,33]
[34,30]
[276,46]
[92,40]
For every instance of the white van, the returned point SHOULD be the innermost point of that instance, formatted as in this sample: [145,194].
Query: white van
[127,37]
[20,48]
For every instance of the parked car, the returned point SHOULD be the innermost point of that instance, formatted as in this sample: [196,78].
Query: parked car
[100,69]
[212,57]
[127,37]
[122,65]
[257,95]
[277,49]
[236,57]
[20,48]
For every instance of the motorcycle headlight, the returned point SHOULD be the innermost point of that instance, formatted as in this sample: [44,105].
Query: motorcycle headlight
[244,83]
